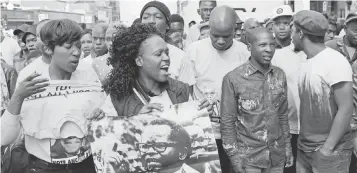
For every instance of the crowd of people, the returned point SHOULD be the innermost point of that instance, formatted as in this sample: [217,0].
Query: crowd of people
[281,95]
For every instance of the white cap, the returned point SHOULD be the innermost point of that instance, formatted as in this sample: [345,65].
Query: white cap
[284,10]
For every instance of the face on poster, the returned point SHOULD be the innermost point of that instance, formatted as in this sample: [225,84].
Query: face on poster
[167,142]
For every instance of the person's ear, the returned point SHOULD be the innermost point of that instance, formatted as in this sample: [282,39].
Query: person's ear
[139,61]
[301,35]
[249,46]
[198,11]
[48,50]
[183,155]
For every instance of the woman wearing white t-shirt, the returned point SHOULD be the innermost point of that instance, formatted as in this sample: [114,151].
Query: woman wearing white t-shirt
[55,141]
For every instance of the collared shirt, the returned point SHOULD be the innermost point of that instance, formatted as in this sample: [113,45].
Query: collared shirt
[254,109]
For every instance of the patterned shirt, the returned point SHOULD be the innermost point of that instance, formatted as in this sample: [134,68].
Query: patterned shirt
[255,115]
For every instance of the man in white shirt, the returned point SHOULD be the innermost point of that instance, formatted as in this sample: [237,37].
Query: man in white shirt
[204,10]
[158,14]
[289,60]
[212,59]
[325,90]
[9,47]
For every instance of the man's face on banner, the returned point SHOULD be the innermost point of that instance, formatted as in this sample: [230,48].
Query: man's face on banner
[198,139]
[72,145]
[156,148]
[205,124]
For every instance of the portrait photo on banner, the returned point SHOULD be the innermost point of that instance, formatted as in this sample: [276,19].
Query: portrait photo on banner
[179,139]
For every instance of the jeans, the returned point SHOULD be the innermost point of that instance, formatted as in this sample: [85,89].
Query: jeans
[40,166]
[276,169]
[316,162]
[294,141]
[223,157]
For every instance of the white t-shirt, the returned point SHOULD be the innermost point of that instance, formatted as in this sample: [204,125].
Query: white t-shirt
[192,35]
[180,67]
[318,107]
[290,63]
[39,66]
[211,65]
[9,47]
[46,148]
[36,65]
[162,99]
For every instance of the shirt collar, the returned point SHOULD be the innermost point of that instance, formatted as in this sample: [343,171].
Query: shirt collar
[142,88]
[251,68]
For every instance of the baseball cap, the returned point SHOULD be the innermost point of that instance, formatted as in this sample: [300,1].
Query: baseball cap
[351,16]
[284,10]
[22,28]
[311,22]
[30,30]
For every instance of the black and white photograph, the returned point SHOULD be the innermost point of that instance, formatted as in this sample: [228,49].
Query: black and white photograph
[171,141]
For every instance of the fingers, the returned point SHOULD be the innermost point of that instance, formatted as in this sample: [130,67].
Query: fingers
[289,162]
[32,76]
[38,81]
[155,106]
[39,86]
[39,90]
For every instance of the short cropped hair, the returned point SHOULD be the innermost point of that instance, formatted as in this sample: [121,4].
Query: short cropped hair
[102,26]
[199,3]
[178,133]
[59,32]
[86,31]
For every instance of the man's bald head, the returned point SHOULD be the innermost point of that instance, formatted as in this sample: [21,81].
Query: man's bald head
[250,23]
[223,18]
[254,34]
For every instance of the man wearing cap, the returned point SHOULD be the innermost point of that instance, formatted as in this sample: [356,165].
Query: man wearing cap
[19,33]
[347,47]
[282,18]
[158,14]
[325,90]
[21,56]
[212,59]
[204,10]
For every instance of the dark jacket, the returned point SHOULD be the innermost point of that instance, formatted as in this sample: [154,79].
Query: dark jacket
[178,92]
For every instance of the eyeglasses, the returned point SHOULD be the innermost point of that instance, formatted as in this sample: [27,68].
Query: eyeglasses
[157,146]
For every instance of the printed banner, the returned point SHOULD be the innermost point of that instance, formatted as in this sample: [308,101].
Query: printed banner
[58,117]
[180,140]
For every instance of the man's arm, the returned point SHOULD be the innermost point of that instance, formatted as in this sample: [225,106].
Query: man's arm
[283,115]
[341,122]
[229,112]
